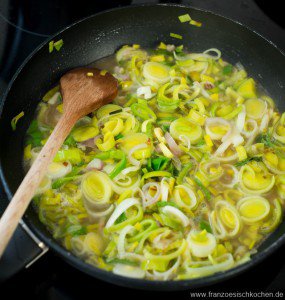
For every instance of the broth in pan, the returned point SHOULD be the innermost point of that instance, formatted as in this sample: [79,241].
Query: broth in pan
[182,176]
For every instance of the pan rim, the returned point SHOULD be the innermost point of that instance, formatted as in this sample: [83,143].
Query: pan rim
[107,275]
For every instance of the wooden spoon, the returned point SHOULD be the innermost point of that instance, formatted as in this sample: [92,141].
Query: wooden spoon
[83,90]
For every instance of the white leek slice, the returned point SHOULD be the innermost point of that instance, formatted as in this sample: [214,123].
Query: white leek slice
[137,146]
[115,125]
[177,214]
[84,133]
[183,126]
[279,129]
[144,91]
[241,120]
[94,243]
[231,137]
[222,148]
[121,241]
[230,175]
[130,170]
[217,128]
[77,245]
[213,50]
[121,245]
[255,108]
[58,169]
[96,164]
[227,158]
[99,214]
[204,268]
[253,209]
[225,220]
[164,186]
[184,196]
[185,141]
[265,120]
[96,188]
[257,181]
[120,187]
[128,271]
[275,163]
[165,275]
[217,226]
[35,152]
[211,169]
[121,208]
[250,128]
[150,199]
[127,52]
[54,99]
[201,244]
[108,168]
[154,71]
[250,131]
[132,160]
[123,181]
[105,110]
[169,256]
[145,123]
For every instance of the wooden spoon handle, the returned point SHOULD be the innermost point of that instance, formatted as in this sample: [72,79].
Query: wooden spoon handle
[32,180]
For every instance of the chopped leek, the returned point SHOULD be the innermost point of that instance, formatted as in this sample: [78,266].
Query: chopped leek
[70,141]
[247,160]
[195,23]
[16,119]
[74,155]
[181,176]
[184,18]
[61,181]
[34,134]
[205,225]
[184,172]
[142,111]
[203,189]
[158,163]
[114,154]
[58,44]
[162,204]
[123,261]
[50,46]
[176,36]
[55,45]
[227,69]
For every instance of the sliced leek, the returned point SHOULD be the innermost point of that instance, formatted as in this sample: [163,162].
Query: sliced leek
[180,177]
[253,209]
[96,188]
[202,243]
[185,127]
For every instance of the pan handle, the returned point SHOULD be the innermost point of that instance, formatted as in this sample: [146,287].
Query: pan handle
[22,251]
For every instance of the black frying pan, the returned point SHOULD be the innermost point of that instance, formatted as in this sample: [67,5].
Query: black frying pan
[101,35]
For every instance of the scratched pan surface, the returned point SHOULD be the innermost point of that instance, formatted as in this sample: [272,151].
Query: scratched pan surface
[101,35]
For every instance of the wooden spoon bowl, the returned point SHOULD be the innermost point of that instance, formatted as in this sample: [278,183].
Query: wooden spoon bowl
[85,90]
